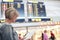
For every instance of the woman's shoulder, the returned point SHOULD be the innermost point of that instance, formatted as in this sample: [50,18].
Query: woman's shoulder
[6,26]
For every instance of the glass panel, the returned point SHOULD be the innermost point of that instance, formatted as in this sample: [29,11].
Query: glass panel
[36,9]
[20,8]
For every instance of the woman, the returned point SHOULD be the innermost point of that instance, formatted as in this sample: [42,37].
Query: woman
[45,36]
[52,36]
[42,36]
[7,30]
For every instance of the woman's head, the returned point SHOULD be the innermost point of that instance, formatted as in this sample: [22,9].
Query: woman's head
[45,31]
[11,14]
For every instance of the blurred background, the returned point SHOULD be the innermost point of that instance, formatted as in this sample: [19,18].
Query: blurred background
[35,17]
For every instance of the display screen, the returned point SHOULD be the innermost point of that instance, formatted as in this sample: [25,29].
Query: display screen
[36,9]
[20,8]
[17,5]
[34,1]
[17,0]
[4,6]
[30,10]
[7,0]
[41,9]
[12,0]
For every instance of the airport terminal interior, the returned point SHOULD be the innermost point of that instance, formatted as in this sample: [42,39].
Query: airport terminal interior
[35,16]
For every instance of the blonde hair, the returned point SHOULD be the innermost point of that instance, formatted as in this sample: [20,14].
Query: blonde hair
[10,13]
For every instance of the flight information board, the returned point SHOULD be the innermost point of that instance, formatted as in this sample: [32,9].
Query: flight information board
[20,8]
[36,9]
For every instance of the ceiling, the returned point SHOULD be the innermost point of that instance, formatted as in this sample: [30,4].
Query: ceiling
[52,0]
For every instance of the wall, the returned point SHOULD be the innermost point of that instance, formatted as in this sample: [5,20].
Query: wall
[53,9]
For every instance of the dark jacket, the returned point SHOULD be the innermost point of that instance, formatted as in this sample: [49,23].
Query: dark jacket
[8,33]
[52,36]
[0,34]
